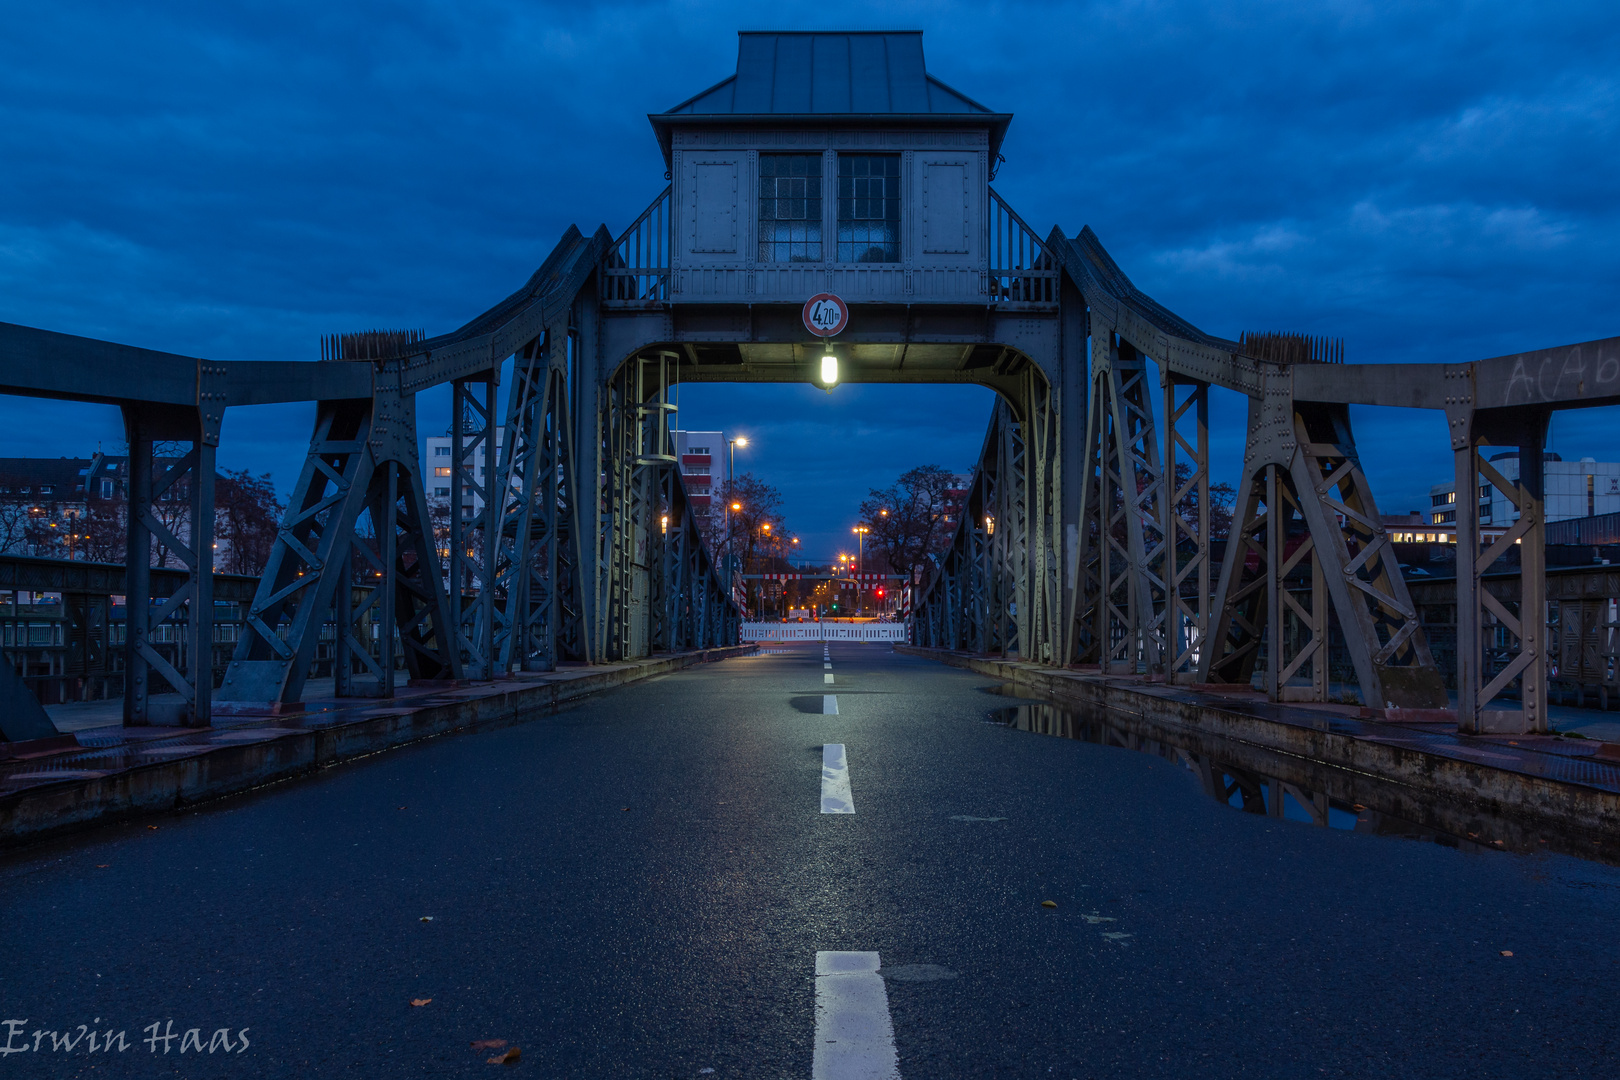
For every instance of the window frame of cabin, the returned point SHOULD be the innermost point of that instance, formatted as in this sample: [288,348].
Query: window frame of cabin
[808,244]
[853,230]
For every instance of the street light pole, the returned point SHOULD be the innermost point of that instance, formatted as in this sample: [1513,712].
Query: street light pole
[860,555]
[731,451]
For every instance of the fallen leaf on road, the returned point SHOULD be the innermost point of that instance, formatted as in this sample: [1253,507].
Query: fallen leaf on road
[1507,952]
[103,866]
[427,918]
[1048,903]
[152,827]
[488,1044]
[508,1058]
[419,1002]
[624,808]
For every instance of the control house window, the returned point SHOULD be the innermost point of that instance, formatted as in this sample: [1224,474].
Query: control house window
[868,208]
[790,208]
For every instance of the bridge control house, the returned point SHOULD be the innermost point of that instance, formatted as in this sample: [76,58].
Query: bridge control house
[830,162]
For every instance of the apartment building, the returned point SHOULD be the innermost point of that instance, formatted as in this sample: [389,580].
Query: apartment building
[437,464]
[703,464]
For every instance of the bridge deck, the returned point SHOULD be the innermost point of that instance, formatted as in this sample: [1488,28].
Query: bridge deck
[650,883]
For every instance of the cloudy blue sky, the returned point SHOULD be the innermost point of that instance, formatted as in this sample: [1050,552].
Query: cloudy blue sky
[1429,181]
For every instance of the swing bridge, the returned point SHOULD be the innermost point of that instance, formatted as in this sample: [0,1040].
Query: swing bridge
[828,163]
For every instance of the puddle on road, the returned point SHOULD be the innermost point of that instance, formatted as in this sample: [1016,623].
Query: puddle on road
[1264,782]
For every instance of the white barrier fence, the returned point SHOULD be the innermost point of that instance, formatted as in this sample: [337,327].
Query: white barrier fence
[818,631]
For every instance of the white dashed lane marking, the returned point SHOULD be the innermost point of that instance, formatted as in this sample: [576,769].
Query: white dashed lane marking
[836,797]
[828,677]
[854,1035]
[829,704]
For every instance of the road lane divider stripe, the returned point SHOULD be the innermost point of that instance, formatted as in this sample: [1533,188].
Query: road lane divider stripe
[836,798]
[827,678]
[829,704]
[854,1033]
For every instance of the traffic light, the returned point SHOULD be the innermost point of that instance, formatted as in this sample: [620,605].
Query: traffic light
[880,592]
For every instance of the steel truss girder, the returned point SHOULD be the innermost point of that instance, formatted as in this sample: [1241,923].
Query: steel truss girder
[1186,543]
[1123,515]
[362,460]
[998,586]
[472,548]
[657,581]
[537,619]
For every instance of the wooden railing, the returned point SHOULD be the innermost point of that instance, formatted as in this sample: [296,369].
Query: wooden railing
[1022,271]
[637,268]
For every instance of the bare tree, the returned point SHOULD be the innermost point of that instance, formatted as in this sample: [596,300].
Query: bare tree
[913,519]
[14,518]
[746,532]
[105,528]
[247,517]
[1221,498]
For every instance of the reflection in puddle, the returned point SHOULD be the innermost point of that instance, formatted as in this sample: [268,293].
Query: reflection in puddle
[1261,781]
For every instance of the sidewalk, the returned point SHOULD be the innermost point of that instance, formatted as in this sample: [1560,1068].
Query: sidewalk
[120,772]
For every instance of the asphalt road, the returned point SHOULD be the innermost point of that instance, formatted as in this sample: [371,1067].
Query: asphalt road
[640,886]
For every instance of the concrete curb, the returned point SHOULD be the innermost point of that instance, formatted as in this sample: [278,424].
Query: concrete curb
[216,771]
[1408,776]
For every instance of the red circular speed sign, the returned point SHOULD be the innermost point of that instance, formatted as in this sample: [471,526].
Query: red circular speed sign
[825,315]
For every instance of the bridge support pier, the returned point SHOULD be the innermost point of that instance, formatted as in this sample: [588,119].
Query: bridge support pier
[359,505]
[171,507]
[1479,613]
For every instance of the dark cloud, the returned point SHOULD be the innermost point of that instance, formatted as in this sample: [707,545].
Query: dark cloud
[1430,181]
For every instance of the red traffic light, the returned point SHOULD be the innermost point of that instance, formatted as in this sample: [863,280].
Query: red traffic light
[880,592]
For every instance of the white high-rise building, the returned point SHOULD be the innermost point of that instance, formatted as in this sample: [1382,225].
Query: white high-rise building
[1573,489]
